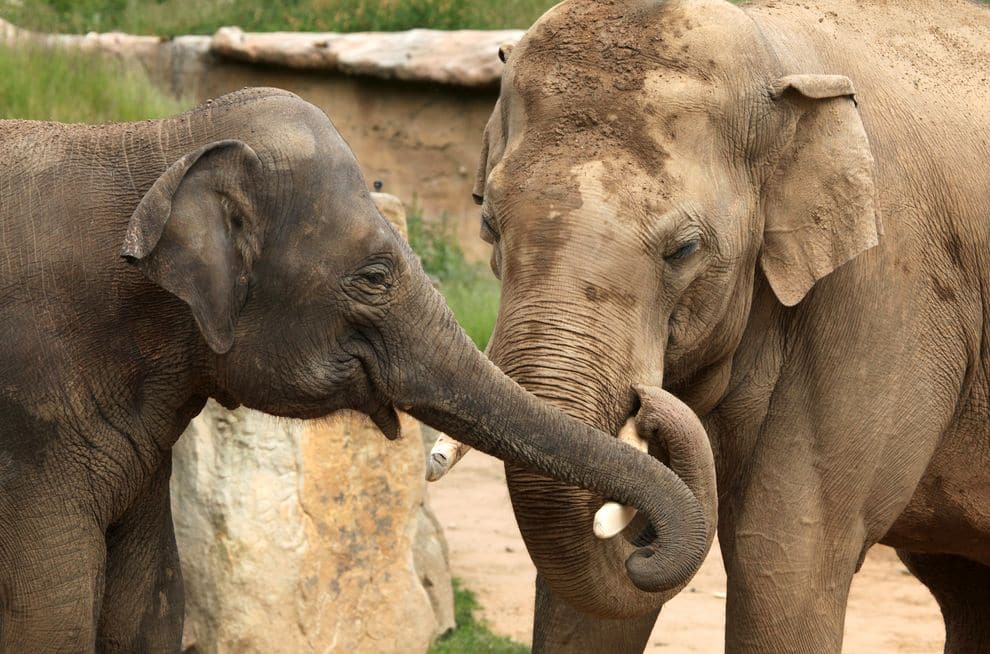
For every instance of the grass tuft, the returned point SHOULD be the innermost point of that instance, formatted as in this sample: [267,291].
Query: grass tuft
[471,636]
[71,86]
[469,288]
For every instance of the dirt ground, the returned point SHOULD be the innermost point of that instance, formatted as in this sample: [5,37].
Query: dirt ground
[889,610]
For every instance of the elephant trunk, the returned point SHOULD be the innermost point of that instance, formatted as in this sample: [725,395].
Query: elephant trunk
[457,390]
[556,519]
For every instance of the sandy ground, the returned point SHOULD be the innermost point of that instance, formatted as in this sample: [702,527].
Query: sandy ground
[889,610]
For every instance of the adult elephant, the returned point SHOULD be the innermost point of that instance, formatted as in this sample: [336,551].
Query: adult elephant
[231,252]
[692,192]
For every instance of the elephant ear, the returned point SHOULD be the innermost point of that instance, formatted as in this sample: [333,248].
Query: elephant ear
[819,202]
[492,148]
[196,233]
[493,143]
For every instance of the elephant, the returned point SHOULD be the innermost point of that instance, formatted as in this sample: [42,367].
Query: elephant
[780,213]
[232,252]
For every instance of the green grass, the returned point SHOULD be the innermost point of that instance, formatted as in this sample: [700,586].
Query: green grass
[70,86]
[470,288]
[172,17]
[471,636]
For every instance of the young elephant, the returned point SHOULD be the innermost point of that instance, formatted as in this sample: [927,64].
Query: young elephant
[782,211]
[231,252]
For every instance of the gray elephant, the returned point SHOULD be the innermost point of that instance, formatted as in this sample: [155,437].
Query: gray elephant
[231,252]
[781,212]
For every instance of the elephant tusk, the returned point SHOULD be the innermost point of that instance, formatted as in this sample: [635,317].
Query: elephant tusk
[613,517]
[444,454]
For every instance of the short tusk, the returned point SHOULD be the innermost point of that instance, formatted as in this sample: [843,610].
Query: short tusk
[445,453]
[613,517]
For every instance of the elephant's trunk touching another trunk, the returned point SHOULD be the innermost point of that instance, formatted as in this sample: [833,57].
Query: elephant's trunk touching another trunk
[552,516]
[469,398]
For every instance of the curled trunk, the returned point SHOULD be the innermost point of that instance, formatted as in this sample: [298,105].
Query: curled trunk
[553,517]
[457,390]
[566,360]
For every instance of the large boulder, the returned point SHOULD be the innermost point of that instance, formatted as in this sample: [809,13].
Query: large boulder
[307,536]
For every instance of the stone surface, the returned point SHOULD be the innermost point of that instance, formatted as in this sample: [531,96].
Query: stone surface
[392,209]
[307,536]
[461,57]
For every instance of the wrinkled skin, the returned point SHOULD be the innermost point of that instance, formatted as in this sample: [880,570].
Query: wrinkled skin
[687,191]
[230,252]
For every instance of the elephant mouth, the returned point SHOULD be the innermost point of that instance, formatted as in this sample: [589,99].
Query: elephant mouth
[383,414]
[375,404]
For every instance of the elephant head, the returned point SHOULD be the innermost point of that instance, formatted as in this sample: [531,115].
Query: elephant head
[648,169]
[308,301]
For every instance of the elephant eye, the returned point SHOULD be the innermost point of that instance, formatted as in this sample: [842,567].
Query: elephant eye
[683,251]
[374,277]
[370,283]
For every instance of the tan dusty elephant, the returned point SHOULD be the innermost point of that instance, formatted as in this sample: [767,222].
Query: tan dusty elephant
[782,211]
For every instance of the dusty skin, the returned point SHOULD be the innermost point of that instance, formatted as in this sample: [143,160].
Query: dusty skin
[778,212]
[889,611]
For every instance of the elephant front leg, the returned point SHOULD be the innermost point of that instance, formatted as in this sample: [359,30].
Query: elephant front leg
[51,575]
[787,587]
[559,629]
[143,605]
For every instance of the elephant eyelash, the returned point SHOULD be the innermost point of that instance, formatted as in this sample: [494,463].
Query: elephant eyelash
[488,233]
[685,250]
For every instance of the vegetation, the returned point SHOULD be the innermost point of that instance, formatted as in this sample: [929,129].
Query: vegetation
[470,288]
[66,86]
[172,17]
[471,636]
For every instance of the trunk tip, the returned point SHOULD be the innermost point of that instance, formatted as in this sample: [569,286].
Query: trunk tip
[653,573]
[436,466]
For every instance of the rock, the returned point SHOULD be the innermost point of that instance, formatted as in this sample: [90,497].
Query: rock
[391,207]
[467,58]
[462,57]
[307,536]
[431,559]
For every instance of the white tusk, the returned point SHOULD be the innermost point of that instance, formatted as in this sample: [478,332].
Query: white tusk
[613,517]
[445,453]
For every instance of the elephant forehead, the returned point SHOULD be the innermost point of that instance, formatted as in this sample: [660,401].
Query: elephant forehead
[592,78]
[596,206]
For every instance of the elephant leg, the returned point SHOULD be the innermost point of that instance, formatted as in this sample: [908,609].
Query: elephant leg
[143,604]
[788,583]
[559,629]
[962,589]
[51,576]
